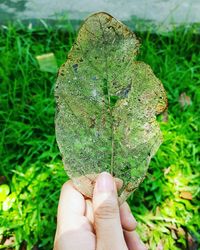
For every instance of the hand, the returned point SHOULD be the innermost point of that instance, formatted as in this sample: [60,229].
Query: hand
[99,224]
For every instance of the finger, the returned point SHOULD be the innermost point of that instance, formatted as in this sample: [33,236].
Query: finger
[106,214]
[71,201]
[89,211]
[133,241]
[127,219]
[71,209]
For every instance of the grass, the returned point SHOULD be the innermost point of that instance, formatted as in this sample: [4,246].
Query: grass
[31,173]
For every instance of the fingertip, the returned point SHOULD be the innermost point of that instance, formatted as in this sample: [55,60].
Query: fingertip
[133,241]
[128,221]
[66,185]
[104,183]
[89,211]
[71,201]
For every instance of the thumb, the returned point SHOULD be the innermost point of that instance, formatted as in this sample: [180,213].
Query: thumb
[107,222]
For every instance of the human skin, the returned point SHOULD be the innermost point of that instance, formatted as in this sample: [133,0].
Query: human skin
[97,224]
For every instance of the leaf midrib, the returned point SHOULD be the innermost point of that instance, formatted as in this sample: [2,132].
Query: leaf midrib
[108,100]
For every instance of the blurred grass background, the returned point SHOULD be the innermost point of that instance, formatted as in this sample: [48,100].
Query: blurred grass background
[166,204]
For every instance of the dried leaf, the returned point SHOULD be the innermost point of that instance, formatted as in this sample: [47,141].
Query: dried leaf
[160,246]
[167,170]
[9,241]
[106,107]
[165,116]
[47,62]
[180,232]
[173,234]
[192,242]
[184,100]
[186,195]
[2,179]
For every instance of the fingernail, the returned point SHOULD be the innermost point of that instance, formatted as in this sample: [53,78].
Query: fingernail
[105,182]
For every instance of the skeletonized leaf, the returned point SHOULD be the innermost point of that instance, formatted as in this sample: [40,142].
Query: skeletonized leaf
[106,107]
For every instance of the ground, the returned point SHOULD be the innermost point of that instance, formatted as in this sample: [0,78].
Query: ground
[31,171]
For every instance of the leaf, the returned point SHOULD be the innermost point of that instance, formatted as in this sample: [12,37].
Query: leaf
[9,201]
[4,191]
[9,241]
[192,242]
[106,107]
[47,62]
[186,195]
[184,100]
